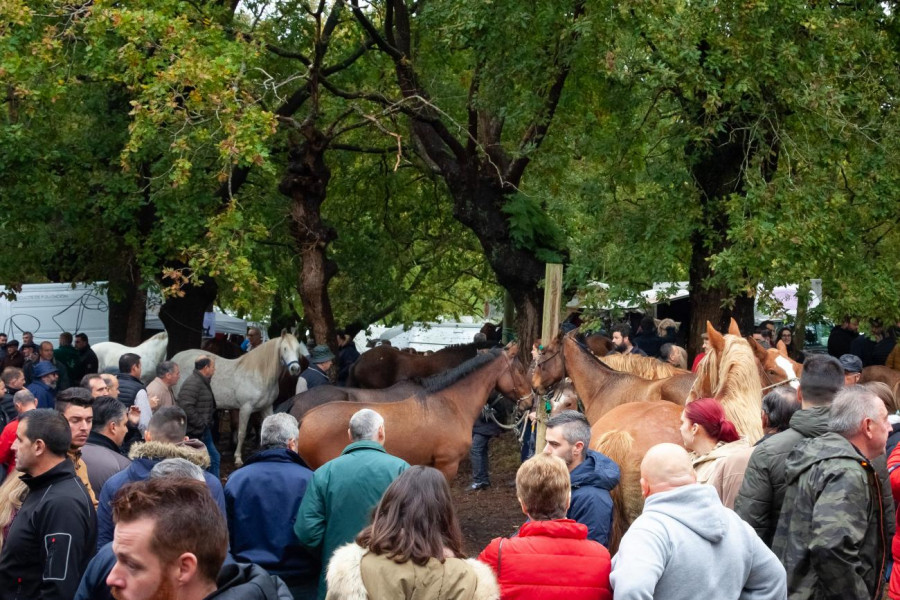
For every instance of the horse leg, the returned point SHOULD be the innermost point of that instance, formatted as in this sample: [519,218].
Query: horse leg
[244,416]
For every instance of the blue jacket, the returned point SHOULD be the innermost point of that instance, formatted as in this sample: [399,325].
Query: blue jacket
[144,457]
[591,503]
[263,498]
[46,395]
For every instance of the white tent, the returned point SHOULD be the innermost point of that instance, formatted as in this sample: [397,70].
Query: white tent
[222,323]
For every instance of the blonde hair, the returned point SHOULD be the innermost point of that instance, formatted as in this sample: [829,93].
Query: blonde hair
[12,494]
[663,326]
[883,391]
[682,357]
[543,486]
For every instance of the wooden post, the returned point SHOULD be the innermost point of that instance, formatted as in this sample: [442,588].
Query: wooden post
[509,318]
[549,328]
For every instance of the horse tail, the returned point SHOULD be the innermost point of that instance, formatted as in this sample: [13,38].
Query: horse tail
[617,446]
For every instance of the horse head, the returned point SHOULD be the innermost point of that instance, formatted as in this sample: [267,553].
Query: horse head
[289,351]
[775,367]
[565,399]
[513,383]
[549,367]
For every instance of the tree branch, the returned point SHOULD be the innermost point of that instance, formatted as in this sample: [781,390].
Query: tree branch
[347,62]
[354,148]
[370,28]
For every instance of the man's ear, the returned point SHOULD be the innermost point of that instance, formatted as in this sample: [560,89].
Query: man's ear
[349,435]
[645,488]
[579,445]
[186,564]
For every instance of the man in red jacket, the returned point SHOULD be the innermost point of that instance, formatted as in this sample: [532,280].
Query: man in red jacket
[525,565]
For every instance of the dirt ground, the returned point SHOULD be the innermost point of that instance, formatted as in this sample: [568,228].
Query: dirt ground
[483,515]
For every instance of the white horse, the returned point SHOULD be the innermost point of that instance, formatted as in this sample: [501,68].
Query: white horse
[249,383]
[152,352]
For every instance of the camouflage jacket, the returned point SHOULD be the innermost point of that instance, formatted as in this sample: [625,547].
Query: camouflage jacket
[830,535]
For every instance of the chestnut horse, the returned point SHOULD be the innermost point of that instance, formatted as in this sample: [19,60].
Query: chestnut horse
[885,375]
[433,427]
[384,366]
[599,386]
[775,366]
[728,373]
[323,394]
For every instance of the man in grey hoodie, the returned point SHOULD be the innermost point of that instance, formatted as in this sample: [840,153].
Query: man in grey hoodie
[686,545]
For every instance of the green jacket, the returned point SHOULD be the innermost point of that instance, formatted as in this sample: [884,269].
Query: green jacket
[830,536]
[338,503]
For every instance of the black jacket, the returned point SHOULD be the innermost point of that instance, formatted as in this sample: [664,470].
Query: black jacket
[249,582]
[87,363]
[198,403]
[128,388]
[7,407]
[51,539]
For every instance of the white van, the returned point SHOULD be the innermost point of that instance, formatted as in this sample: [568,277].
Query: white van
[48,309]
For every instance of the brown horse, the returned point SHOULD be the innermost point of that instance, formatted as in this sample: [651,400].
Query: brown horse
[384,366]
[431,428]
[599,345]
[774,365]
[885,375]
[323,394]
[643,366]
[599,386]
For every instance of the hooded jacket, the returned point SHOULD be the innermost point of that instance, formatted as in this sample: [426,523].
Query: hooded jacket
[550,560]
[762,492]
[271,483]
[249,582]
[51,539]
[591,504]
[45,395]
[686,545]
[354,573]
[143,458]
[830,535]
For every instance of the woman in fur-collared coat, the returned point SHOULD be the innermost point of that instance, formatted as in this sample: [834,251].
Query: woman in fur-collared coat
[413,548]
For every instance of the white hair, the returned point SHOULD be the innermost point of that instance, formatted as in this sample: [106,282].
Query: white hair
[278,430]
[176,467]
[851,406]
[364,425]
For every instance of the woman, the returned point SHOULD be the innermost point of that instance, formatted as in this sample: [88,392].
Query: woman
[787,336]
[674,355]
[12,494]
[413,548]
[710,437]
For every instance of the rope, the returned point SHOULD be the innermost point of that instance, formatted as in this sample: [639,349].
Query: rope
[508,427]
[788,380]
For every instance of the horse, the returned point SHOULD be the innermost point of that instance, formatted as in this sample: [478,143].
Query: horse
[885,375]
[323,394]
[727,373]
[599,345]
[249,383]
[152,352]
[599,386]
[642,366]
[774,365]
[384,366]
[433,427]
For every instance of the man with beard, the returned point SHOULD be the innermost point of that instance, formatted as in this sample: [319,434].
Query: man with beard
[77,406]
[52,537]
[12,358]
[183,559]
[621,337]
[592,474]
[46,355]
[43,387]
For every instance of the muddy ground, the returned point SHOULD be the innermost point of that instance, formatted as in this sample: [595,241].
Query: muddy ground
[483,515]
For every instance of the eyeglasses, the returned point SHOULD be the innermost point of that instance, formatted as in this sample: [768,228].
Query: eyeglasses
[785,334]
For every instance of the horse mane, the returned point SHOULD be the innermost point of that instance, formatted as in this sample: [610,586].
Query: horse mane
[642,366]
[443,380]
[265,360]
[474,346]
[579,341]
[734,382]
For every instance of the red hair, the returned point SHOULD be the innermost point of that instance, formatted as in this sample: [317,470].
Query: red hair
[709,414]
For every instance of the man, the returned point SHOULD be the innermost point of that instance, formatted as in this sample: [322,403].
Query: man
[343,492]
[647,338]
[621,338]
[164,439]
[29,359]
[67,356]
[254,339]
[24,401]
[686,545]
[13,357]
[483,430]
[46,355]
[3,340]
[348,353]
[761,495]
[162,387]
[95,384]
[853,367]
[830,533]
[87,359]
[320,361]
[52,537]
[593,475]
[131,388]
[841,336]
[112,384]
[27,338]
[704,338]
[12,379]
[760,338]
[103,452]
[171,542]
[44,386]
[272,483]
[199,404]
[77,406]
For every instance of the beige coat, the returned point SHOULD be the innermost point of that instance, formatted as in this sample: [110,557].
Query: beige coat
[728,474]
[705,465]
[82,473]
[162,391]
[356,574]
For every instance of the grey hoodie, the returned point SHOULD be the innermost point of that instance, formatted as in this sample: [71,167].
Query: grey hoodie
[686,545]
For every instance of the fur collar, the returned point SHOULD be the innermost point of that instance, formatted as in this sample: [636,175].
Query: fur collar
[345,577]
[162,451]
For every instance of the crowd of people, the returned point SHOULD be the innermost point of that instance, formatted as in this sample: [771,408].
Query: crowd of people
[113,491]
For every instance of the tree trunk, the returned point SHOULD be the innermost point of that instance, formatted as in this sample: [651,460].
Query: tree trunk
[803,294]
[126,317]
[306,184]
[183,316]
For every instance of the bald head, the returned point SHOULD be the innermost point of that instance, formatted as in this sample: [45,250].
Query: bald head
[666,467]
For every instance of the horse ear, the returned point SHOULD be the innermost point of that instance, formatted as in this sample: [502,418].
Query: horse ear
[716,339]
[757,348]
[782,349]
[733,328]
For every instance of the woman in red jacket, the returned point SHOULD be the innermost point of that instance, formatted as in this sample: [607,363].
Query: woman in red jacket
[551,557]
